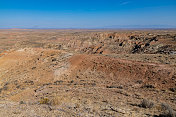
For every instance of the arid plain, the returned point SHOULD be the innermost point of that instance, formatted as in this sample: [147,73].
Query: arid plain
[87,73]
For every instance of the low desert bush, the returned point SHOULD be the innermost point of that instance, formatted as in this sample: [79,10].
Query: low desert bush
[21,102]
[167,111]
[146,104]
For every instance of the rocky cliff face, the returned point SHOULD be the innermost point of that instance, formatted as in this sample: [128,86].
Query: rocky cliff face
[116,43]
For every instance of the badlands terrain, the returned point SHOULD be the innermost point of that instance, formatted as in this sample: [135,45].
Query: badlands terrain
[87,73]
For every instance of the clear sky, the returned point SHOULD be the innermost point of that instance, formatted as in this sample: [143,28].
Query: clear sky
[87,13]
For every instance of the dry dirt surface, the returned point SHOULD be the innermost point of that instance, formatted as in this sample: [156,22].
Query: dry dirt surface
[87,73]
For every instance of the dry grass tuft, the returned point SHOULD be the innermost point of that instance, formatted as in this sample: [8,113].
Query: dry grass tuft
[44,101]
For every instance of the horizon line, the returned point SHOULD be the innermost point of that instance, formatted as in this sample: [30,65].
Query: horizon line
[90,28]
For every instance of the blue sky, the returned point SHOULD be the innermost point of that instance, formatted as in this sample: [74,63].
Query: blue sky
[87,13]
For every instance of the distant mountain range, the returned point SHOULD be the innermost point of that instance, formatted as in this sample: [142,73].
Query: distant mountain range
[140,26]
[106,27]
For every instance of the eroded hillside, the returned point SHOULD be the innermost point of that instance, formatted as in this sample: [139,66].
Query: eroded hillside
[87,73]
